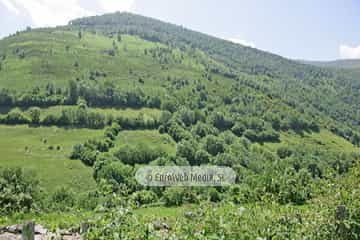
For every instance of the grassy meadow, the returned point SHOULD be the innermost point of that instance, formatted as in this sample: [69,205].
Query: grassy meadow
[45,151]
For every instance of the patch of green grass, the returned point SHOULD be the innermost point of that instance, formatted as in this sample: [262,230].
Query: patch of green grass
[149,137]
[50,56]
[51,221]
[45,152]
[324,140]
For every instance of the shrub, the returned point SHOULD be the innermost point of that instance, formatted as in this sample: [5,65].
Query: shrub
[187,116]
[220,121]
[139,154]
[202,157]
[251,135]
[214,145]
[202,129]
[294,187]
[214,195]
[238,129]
[284,152]
[144,197]
[50,120]
[16,117]
[173,196]
[117,174]
[17,191]
[35,115]
[62,199]
[187,149]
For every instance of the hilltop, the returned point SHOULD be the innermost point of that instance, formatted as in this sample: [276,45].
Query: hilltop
[343,63]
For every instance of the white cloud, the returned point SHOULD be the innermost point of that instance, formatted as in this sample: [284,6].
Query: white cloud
[242,42]
[48,12]
[10,6]
[348,52]
[60,12]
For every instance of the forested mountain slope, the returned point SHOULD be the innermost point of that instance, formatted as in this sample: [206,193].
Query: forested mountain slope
[309,88]
[344,63]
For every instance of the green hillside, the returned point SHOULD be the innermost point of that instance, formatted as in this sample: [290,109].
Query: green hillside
[83,106]
[334,93]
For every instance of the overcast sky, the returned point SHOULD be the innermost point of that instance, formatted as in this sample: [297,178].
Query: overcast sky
[306,29]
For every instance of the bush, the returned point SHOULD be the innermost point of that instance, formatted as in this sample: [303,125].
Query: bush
[214,145]
[187,116]
[84,153]
[214,195]
[35,115]
[202,129]
[116,173]
[187,149]
[17,191]
[62,199]
[202,157]
[77,151]
[173,196]
[294,187]
[144,197]
[139,154]
[50,120]
[251,135]
[284,152]
[220,121]
[16,117]
[238,129]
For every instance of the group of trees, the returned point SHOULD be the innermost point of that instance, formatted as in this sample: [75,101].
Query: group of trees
[186,124]
[89,151]
[138,122]
[94,93]
[79,116]
[18,191]
[202,143]
[260,172]
[138,154]
[108,94]
[75,117]
[36,97]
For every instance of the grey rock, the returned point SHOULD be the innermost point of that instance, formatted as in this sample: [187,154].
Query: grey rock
[9,236]
[14,228]
[190,215]
[161,226]
[40,230]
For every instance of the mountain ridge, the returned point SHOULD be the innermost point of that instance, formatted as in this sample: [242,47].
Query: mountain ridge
[338,63]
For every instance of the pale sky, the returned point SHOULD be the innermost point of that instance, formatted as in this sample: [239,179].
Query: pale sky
[307,29]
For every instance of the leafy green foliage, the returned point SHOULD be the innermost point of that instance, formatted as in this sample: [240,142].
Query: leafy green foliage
[17,191]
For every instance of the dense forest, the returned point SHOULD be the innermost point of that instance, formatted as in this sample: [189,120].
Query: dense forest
[83,106]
